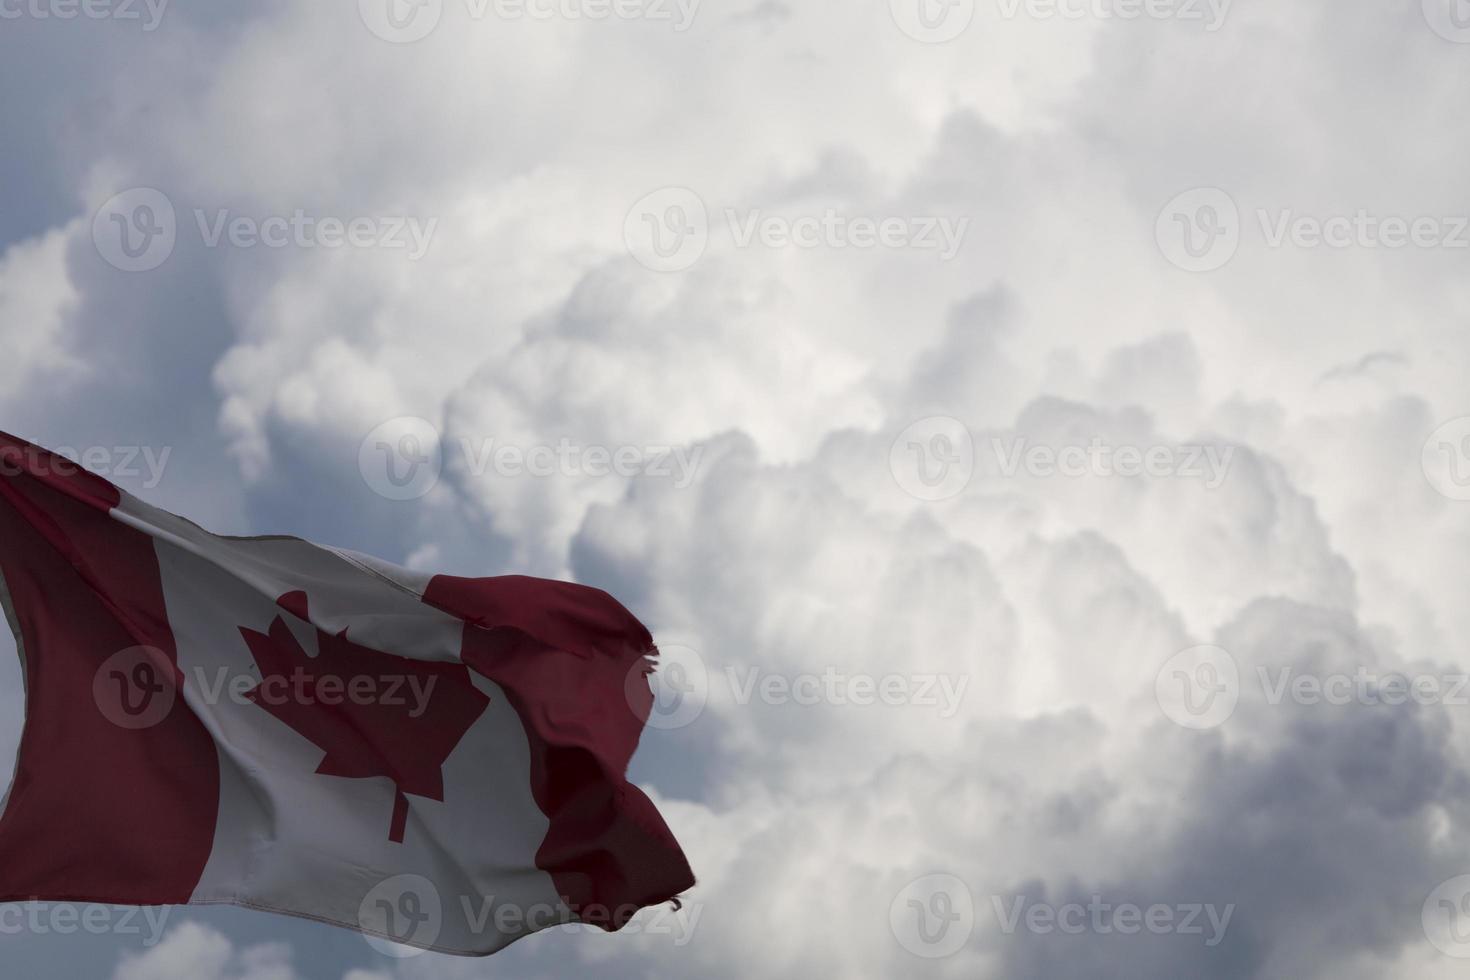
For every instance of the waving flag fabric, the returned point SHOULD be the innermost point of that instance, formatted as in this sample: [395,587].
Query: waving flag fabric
[271,723]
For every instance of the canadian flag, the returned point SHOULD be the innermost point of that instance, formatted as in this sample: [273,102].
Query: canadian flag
[270,723]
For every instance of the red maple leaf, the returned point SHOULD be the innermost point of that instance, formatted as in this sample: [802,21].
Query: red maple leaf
[379,714]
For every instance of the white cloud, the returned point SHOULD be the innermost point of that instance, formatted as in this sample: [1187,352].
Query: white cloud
[192,951]
[795,551]
[36,296]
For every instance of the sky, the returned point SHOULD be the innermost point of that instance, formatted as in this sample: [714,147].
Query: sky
[1035,431]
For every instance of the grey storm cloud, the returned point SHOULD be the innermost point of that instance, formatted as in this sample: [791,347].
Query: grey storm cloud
[858,503]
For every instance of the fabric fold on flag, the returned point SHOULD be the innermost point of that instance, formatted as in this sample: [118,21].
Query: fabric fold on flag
[280,725]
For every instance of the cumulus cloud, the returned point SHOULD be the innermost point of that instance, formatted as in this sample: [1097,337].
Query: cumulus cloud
[193,951]
[36,295]
[1299,384]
